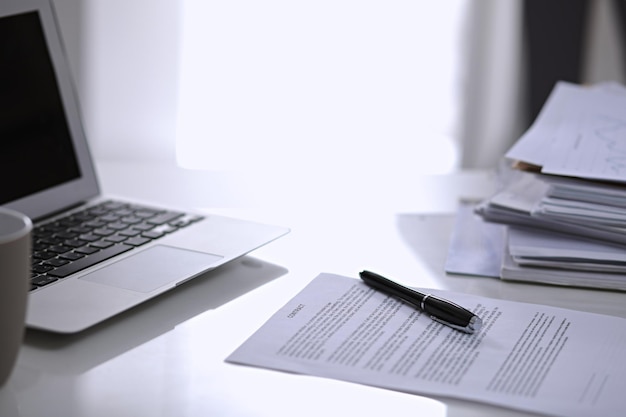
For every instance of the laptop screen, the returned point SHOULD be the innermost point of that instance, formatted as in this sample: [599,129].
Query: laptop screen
[45,163]
[37,151]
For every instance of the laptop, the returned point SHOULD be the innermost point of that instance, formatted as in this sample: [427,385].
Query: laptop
[93,257]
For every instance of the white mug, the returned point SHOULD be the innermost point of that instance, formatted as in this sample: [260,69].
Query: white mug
[15,267]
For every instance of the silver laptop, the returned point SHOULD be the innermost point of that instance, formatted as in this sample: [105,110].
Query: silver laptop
[93,257]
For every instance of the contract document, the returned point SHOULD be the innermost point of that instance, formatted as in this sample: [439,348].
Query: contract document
[528,357]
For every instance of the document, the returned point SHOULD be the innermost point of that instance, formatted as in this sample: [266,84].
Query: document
[534,147]
[590,144]
[528,200]
[544,247]
[476,246]
[578,133]
[528,357]
[583,276]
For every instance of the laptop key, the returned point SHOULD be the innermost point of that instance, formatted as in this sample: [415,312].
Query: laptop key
[41,269]
[103,231]
[164,218]
[59,249]
[131,219]
[153,234]
[80,229]
[56,262]
[89,237]
[143,227]
[86,250]
[90,260]
[101,244]
[42,280]
[129,233]
[137,241]
[71,256]
[43,255]
[115,238]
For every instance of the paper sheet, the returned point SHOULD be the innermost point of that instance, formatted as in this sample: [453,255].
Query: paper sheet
[529,357]
[475,245]
[534,144]
[579,132]
[548,245]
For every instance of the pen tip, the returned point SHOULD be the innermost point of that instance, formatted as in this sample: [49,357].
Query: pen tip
[475,324]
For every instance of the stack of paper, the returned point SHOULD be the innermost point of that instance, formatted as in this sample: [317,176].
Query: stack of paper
[564,202]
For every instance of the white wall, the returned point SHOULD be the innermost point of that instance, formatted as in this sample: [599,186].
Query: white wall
[492,95]
[125,57]
[320,86]
[358,75]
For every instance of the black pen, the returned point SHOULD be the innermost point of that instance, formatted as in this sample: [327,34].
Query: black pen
[443,311]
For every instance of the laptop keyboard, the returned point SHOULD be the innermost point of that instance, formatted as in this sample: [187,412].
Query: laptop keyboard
[84,238]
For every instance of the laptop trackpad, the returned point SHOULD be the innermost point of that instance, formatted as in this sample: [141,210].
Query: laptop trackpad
[153,268]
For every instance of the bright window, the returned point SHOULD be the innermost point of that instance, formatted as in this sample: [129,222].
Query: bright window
[293,86]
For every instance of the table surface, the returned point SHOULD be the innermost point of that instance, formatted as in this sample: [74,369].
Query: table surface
[166,358]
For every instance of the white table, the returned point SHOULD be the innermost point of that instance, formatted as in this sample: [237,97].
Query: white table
[167,358]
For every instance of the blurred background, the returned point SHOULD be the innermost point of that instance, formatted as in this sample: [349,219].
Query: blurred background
[396,88]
